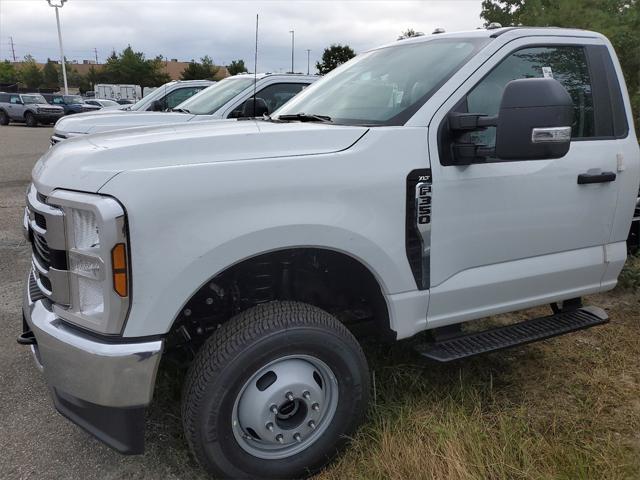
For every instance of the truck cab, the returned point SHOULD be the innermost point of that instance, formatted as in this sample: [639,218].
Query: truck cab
[422,185]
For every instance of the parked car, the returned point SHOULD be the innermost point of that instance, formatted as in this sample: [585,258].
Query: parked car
[125,101]
[101,102]
[427,183]
[168,96]
[229,98]
[70,103]
[30,108]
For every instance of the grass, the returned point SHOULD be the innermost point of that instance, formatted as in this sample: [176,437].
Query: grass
[566,408]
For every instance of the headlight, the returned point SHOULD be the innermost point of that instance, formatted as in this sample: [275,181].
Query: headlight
[97,251]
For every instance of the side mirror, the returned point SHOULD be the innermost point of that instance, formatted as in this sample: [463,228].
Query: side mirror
[254,108]
[157,106]
[533,123]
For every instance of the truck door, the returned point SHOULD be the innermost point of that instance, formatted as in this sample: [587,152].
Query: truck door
[512,234]
[16,107]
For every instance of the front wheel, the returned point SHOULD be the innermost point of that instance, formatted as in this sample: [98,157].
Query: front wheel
[30,119]
[274,393]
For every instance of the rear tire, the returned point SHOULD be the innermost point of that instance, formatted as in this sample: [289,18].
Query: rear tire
[4,118]
[30,119]
[282,369]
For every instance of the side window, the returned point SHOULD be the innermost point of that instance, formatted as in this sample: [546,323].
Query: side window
[57,101]
[568,65]
[274,96]
[176,97]
[14,99]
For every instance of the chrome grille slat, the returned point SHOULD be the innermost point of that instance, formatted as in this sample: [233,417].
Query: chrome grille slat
[44,225]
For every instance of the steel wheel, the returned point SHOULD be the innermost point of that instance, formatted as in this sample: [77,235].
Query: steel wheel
[285,407]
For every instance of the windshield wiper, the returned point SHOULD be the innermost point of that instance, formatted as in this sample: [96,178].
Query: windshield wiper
[304,117]
[181,110]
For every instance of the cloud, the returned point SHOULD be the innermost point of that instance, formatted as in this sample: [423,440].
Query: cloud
[186,29]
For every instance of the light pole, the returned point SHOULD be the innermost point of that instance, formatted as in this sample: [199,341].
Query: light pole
[308,52]
[57,4]
[293,34]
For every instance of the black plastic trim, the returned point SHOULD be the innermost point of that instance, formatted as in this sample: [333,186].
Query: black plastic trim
[120,428]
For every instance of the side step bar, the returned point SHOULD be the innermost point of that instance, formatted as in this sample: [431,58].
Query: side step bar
[508,336]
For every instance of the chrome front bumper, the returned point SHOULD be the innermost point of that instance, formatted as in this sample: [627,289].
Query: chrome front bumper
[108,374]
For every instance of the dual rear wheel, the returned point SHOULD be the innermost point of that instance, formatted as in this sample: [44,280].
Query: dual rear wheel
[275,393]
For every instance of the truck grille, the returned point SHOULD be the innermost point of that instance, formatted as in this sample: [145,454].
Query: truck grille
[48,110]
[44,227]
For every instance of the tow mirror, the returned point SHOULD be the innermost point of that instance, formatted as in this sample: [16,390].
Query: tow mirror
[533,123]
[254,107]
[157,106]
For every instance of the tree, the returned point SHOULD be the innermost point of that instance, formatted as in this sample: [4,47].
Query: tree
[205,70]
[236,67]
[50,75]
[30,73]
[132,67]
[619,20]
[334,56]
[8,73]
[408,33]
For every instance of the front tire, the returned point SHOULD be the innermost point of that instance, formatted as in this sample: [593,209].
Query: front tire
[274,393]
[30,119]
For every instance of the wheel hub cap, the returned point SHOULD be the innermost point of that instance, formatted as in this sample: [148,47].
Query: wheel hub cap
[285,406]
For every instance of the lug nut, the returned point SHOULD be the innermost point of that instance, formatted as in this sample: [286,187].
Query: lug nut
[269,426]
[312,425]
[315,407]
[273,409]
[289,396]
[279,438]
[296,437]
[306,395]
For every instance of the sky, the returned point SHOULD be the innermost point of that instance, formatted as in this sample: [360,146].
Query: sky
[224,30]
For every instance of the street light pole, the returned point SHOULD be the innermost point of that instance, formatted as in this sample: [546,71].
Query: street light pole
[292,47]
[57,4]
[308,52]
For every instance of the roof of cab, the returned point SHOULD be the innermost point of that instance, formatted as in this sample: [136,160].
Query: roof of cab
[511,32]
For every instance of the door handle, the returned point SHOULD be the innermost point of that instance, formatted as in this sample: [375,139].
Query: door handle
[602,177]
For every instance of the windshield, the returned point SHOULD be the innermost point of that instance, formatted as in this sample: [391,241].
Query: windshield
[211,99]
[70,99]
[33,99]
[143,103]
[385,86]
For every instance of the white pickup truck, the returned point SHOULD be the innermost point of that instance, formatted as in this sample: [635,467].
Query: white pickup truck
[232,97]
[424,184]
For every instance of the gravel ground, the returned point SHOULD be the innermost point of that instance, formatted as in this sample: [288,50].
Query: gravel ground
[35,441]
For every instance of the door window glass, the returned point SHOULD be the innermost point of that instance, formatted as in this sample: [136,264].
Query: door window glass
[568,65]
[176,97]
[14,99]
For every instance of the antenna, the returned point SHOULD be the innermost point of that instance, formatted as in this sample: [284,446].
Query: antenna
[255,69]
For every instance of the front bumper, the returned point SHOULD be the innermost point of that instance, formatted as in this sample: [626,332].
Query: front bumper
[103,387]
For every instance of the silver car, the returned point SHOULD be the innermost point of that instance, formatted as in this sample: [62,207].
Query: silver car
[30,108]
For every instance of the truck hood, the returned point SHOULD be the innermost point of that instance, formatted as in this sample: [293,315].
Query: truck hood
[115,120]
[87,163]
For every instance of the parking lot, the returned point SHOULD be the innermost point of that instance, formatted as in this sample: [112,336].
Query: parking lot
[35,441]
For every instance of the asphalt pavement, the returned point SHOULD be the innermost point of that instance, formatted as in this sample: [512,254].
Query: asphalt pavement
[35,441]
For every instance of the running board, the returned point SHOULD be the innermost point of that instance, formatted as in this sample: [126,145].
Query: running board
[529,331]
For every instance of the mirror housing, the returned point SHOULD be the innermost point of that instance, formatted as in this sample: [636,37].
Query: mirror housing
[157,106]
[261,108]
[533,123]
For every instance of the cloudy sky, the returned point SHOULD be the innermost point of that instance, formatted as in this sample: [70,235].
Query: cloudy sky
[186,29]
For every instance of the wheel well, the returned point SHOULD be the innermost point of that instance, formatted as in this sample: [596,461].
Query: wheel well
[331,280]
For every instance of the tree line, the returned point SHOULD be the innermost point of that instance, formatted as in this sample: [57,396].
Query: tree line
[126,67]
